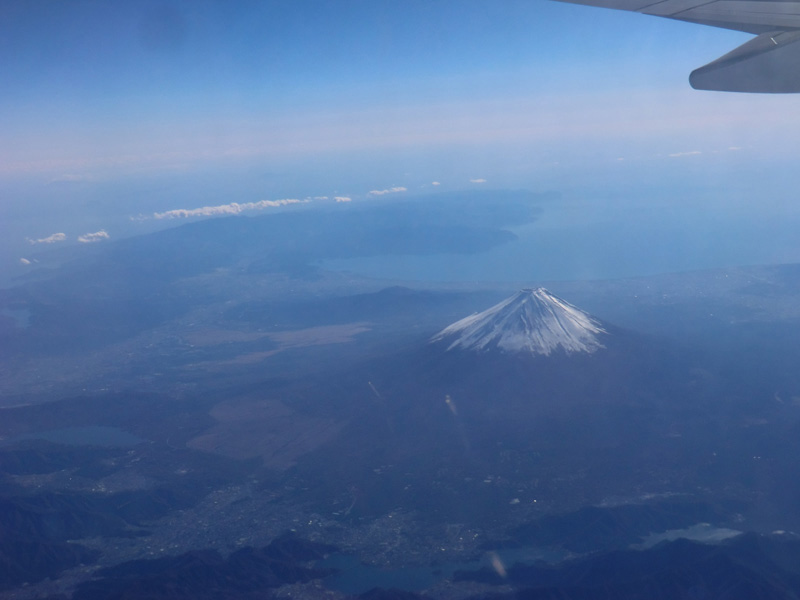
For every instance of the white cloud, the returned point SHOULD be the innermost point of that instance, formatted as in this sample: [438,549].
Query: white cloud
[24,261]
[393,190]
[234,208]
[97,236]
[50,239]
[320,198]
[435,183]
[734,148]
[690,153]
[343,198]
[477,181]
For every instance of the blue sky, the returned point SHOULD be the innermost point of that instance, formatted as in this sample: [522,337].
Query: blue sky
[113,110]
[90,86]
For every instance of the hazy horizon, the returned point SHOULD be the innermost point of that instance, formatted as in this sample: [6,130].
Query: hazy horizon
[111,117]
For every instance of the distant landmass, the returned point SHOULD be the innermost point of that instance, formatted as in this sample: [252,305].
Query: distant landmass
[207,412]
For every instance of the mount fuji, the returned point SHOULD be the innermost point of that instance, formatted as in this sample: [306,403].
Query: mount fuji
[533,391]
[532,321]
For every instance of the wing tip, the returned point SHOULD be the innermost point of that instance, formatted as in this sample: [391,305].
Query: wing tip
[763,65]
[718,80]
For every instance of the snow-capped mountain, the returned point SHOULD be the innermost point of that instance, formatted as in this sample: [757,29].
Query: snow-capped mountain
[532,320]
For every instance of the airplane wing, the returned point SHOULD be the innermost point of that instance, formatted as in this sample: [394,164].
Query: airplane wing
[769,63]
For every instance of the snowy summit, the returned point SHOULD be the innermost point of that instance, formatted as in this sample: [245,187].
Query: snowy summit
[532,320]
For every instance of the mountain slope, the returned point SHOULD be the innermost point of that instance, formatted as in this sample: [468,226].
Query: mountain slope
[532,321]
